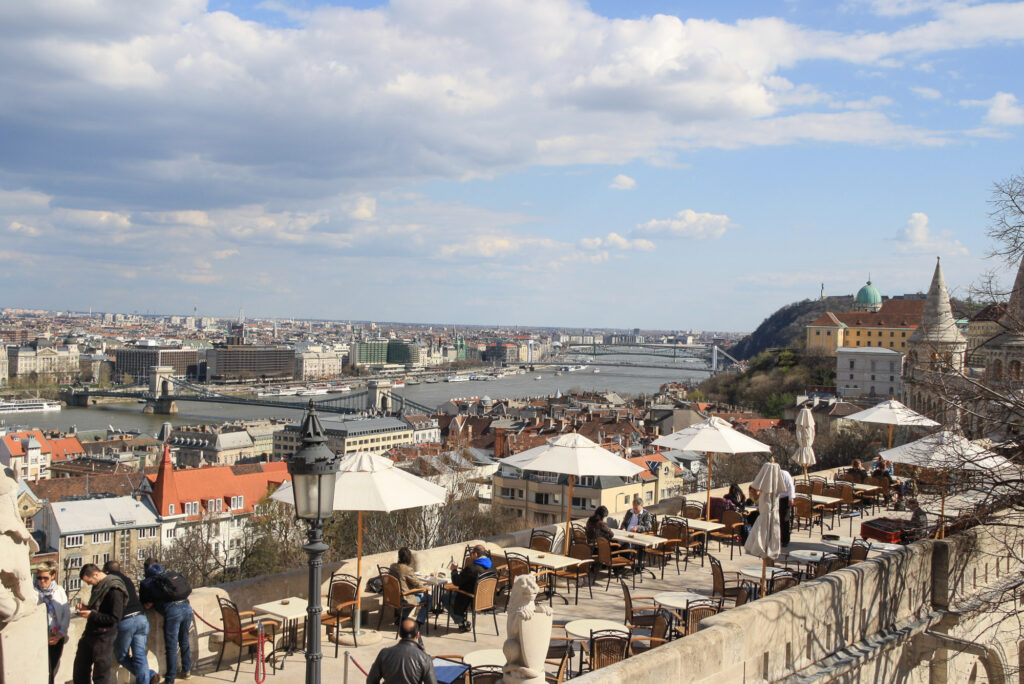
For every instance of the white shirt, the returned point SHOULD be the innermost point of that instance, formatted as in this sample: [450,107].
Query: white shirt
[634,520]
[789,489]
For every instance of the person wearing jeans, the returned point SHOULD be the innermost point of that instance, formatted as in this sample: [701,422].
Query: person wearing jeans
[132,631]
[177,624]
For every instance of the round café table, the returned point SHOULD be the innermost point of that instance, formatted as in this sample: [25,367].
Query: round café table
[581,629]
[840,542]
[485,656]
[808,556]
[677,599]
[754,572]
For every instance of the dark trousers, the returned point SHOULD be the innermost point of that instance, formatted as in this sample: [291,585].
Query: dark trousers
[95,657]
[784,520]
[55,652]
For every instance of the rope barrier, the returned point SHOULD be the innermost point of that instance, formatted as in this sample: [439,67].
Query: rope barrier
[358,666]
[260,673]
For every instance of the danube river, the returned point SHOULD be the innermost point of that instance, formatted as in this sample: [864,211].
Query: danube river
[623,380]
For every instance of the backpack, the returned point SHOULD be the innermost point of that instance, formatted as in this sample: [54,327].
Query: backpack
[173,586]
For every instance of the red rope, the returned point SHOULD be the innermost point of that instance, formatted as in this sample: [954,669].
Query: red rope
[260,674]
[360,667]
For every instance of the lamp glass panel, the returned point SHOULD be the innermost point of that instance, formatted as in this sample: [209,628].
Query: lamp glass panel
[307,495]
[327,481]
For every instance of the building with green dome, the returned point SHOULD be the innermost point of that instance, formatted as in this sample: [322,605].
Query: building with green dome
[868,298]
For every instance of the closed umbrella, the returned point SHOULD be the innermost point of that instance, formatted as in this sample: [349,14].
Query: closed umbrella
[574,455]
[368,482]
[712,436]
[804,455]
[765,538]
[945,451]
[892,413]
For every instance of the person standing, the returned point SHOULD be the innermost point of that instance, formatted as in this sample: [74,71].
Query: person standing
[132,631]
[58,612]
[95,656]
[786,496]
[168,592]
[405,662]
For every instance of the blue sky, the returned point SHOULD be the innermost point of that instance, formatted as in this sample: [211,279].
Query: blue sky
[625,164]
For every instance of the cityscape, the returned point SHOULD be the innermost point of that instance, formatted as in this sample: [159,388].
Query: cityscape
[524,342]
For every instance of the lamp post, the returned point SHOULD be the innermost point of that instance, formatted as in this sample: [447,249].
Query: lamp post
[313,469]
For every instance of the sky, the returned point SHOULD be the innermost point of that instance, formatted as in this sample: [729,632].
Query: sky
[661,165]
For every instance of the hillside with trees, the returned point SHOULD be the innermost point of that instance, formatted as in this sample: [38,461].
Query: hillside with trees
[787,326]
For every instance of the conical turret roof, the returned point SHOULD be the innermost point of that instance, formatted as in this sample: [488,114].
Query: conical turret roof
[938,326]
[1013,319]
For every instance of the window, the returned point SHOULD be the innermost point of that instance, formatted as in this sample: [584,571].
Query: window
[540,498]
[191,508]
[74,562]
[170,509]
[579,502]
[817,332]
[586,481]
[851,376]
[74,584]
[141,554]
[73,540]
[851,364]
[872,366]
[506,493]
[649,496]
[237,502]
[625,499]
[147,532]
[170,533]
[100,537]
[892,378]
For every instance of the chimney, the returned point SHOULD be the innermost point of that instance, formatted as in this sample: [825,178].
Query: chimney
[500,443]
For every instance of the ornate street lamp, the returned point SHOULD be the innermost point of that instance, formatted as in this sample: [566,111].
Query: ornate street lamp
[313,469]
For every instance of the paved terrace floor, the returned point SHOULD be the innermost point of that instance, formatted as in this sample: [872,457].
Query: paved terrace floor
[605,605]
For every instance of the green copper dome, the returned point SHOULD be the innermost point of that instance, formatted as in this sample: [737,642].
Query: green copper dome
[869,294]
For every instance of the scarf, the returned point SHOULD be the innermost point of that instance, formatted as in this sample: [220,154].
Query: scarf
[105,586]
[46,596]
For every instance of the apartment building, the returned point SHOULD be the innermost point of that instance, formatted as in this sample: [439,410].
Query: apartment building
[375,435]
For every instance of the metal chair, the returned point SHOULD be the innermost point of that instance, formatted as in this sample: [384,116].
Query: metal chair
[393,597]
[341,601]
[485,674]
[733,522]
[541,540]
[726,587]
[693,511]
[858,551]
[804,510]
[658,636]
[580,571]
[244,635]
[668,549]
[698,610]
[780,582]
[483,600]
[517,564]
[638,618]
[607,647]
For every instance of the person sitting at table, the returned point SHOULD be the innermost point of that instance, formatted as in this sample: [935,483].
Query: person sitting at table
[597,527]
[465,579]
[735,496]
[404,663]
[637,519]
[408,581]
[857,468]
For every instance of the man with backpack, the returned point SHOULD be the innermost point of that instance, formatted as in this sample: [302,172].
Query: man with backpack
[168,591]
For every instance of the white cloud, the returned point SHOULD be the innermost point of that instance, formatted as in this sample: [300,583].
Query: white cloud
[19,227]
[365,209]
[225,253]
[1003,109]
[917,237]
[688,224]
[926,93]
[616,241]
[622,182]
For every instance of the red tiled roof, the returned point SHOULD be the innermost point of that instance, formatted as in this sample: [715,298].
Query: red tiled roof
[895,313]
[13,442]
[65,448]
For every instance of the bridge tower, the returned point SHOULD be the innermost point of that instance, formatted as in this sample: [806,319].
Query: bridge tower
[378,396]
[160,388]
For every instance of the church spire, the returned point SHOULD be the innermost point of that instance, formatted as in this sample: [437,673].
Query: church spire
[938,326]
[1013,319]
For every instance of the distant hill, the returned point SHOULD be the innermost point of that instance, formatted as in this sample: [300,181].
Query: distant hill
[787,326]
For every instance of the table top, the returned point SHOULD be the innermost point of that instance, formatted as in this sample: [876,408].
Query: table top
[677,599]
[703,525]
[808,556]
[839,542]
[485,656]
[638,538]
[447,671]
[581,629]
[821,499]
[754,572]
[291,608]
[545,559]
[857,487]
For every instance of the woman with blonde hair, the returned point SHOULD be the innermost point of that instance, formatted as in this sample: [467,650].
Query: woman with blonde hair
[58,612]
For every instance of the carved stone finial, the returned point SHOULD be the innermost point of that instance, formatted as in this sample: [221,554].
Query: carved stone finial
[529,632]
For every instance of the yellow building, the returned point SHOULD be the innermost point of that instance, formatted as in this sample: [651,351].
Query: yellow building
[890,327]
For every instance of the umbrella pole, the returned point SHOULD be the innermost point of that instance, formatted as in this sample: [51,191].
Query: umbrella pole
[568,517]
[806,476]
[359,574]
[940,529]
[707,508]
[764,572]
[891,426]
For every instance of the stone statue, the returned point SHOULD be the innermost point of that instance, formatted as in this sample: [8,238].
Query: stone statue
[529,632]
[17,597]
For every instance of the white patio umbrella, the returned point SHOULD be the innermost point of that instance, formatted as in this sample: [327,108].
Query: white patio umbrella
[892,413]
[712,436]
[368,482]
[804,455]
[945,451]
[765,538]
[574,455]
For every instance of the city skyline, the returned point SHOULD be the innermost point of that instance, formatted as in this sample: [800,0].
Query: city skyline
[551,164]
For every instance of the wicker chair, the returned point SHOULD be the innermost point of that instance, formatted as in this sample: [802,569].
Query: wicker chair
[668,549]
[541,540]
[804,510]
[742,596]
[483,600]
[607,647]
[579,533]
[580,571]
[721,585]
[658,636]
[564,669]
[393,597]
[485,674]
[698,610]
[780,582]
[733,521]
[693,511]
[858,551]
[692,541]
[518,564]
[638,618]
[240,630]
[616,560]
[341,601]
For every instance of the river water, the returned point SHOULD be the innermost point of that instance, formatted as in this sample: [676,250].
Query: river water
[623,380]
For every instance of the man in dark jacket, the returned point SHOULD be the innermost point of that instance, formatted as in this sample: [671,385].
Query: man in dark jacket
[177,621]
[637,519]
[94,657]
[465,579]
[132,631]
[405,662]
